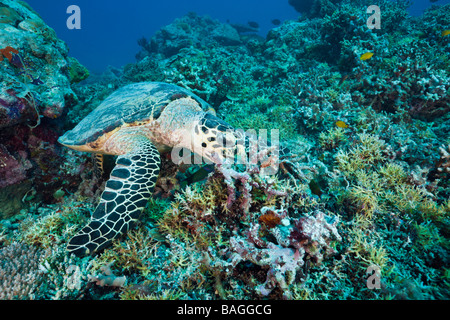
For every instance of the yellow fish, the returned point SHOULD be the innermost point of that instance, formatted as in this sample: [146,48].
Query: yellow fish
[445,33]
[212,111]
[366,56]
[341,124]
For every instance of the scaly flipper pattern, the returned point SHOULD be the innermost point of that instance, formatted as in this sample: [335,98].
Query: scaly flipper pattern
[125,196]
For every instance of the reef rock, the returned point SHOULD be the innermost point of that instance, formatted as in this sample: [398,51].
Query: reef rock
[35,85]
[35,74]
[190,30]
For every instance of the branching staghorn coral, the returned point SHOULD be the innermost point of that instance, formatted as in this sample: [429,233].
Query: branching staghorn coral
[29,273]
[444,161]
[21,277]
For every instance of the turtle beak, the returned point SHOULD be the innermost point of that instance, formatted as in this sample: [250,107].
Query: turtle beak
[69,140]
[64,140]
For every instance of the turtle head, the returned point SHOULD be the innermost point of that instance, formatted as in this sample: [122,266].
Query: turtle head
[215,140]
[71,140]
[68,139]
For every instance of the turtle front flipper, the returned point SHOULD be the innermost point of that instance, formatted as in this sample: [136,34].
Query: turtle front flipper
[125,196]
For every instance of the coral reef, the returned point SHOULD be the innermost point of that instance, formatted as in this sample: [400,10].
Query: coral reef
[107,278]
[191,30]
[301,6]
[19,272]
[36,63]
[35,75]
[296,241]
[368,186]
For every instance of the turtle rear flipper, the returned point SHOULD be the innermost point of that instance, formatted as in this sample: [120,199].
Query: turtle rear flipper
[125,196]
[98,165]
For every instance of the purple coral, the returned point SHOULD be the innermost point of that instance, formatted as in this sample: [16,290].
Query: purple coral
[17,107]
[12,170]
[283,263]
[298,239]
[313,234]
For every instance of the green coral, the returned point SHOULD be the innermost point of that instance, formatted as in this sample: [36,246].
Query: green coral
[77,72]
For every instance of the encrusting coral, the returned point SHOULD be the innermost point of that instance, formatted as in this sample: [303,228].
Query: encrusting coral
[296,241]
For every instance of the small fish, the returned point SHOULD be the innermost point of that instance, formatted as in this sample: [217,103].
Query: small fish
[199,175]
[341,124]
[315,189]
[343,78]
[445,33]
[276,22]
[366,56]
[156,235]
[212,111]
[253,24]
[17,61]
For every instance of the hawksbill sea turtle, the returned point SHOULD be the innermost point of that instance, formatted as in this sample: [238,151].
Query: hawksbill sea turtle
[138,122]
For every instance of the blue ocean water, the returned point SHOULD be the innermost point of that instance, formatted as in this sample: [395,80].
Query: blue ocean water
[110,29]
